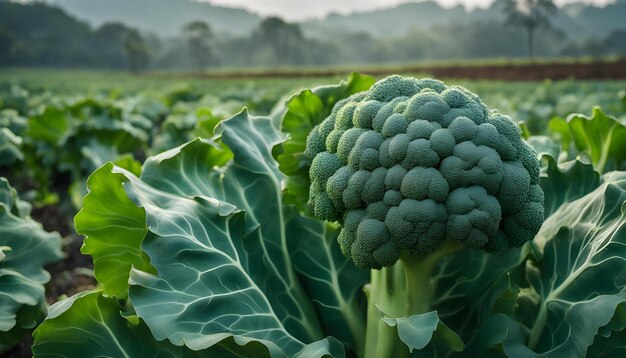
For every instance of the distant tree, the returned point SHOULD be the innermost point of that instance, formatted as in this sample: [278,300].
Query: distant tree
[109,42]
[615,42]
[136,52]
[532,15]
[283,39]
[199,37]
[6,42]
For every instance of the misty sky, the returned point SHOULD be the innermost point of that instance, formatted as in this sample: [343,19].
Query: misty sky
[302,9]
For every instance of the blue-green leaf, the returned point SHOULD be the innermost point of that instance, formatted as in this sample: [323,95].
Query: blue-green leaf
[26,248]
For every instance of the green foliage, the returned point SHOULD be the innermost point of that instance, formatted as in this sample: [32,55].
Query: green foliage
[24,250]
[597,139]
[78,137]
[207,249]
[222,233]
[602,138]
[94,326]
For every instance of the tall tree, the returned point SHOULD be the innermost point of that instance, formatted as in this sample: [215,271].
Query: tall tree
[284,39]
[199,36]
[6,42]
[532,15]
[136,52]
[109,41]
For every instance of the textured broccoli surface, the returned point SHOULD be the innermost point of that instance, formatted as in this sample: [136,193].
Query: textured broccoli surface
[412,163]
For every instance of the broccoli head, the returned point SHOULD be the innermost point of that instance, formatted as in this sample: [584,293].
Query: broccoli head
[412,163]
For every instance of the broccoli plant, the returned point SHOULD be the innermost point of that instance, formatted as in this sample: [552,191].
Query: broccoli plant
[390,219]
[414,170]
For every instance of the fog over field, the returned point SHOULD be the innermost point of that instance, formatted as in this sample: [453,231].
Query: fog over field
[302,9]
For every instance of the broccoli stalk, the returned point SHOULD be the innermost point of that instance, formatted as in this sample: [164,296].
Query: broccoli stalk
[401,290]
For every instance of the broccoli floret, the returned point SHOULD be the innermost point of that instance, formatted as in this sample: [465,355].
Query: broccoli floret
[413,164]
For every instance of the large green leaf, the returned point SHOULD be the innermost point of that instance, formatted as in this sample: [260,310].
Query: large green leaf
[304,111]
[204,291]
[252,182]
[26,248]
[114,228]
[199,177]
[90,325]
[583,241]
[470,288]
[212,217]
[333,283]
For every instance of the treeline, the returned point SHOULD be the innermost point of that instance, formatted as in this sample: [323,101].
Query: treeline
[36,34]
[40,35]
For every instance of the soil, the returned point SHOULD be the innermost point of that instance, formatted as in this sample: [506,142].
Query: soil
[22,350]
[530,71]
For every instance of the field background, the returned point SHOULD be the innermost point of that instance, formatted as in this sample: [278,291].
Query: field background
[86,82]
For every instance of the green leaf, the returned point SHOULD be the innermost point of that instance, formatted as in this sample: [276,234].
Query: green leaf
[26,249]
[8,197]
[582,241]
[545,145]
[10,148]
[251,182]
[210,230]
[333,283]
[418,331]
[188,170]
[114,228]
[560,128]
[129,163]
[501,335]
[562,183]
[205,290]
[52,126]
[263,294]
[11,119]
[468,277]
[206,123]
[97,326]
[601,137]
[90,325]
[304,111]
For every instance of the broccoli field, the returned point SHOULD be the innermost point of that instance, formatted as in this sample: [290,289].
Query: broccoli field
[350,216]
